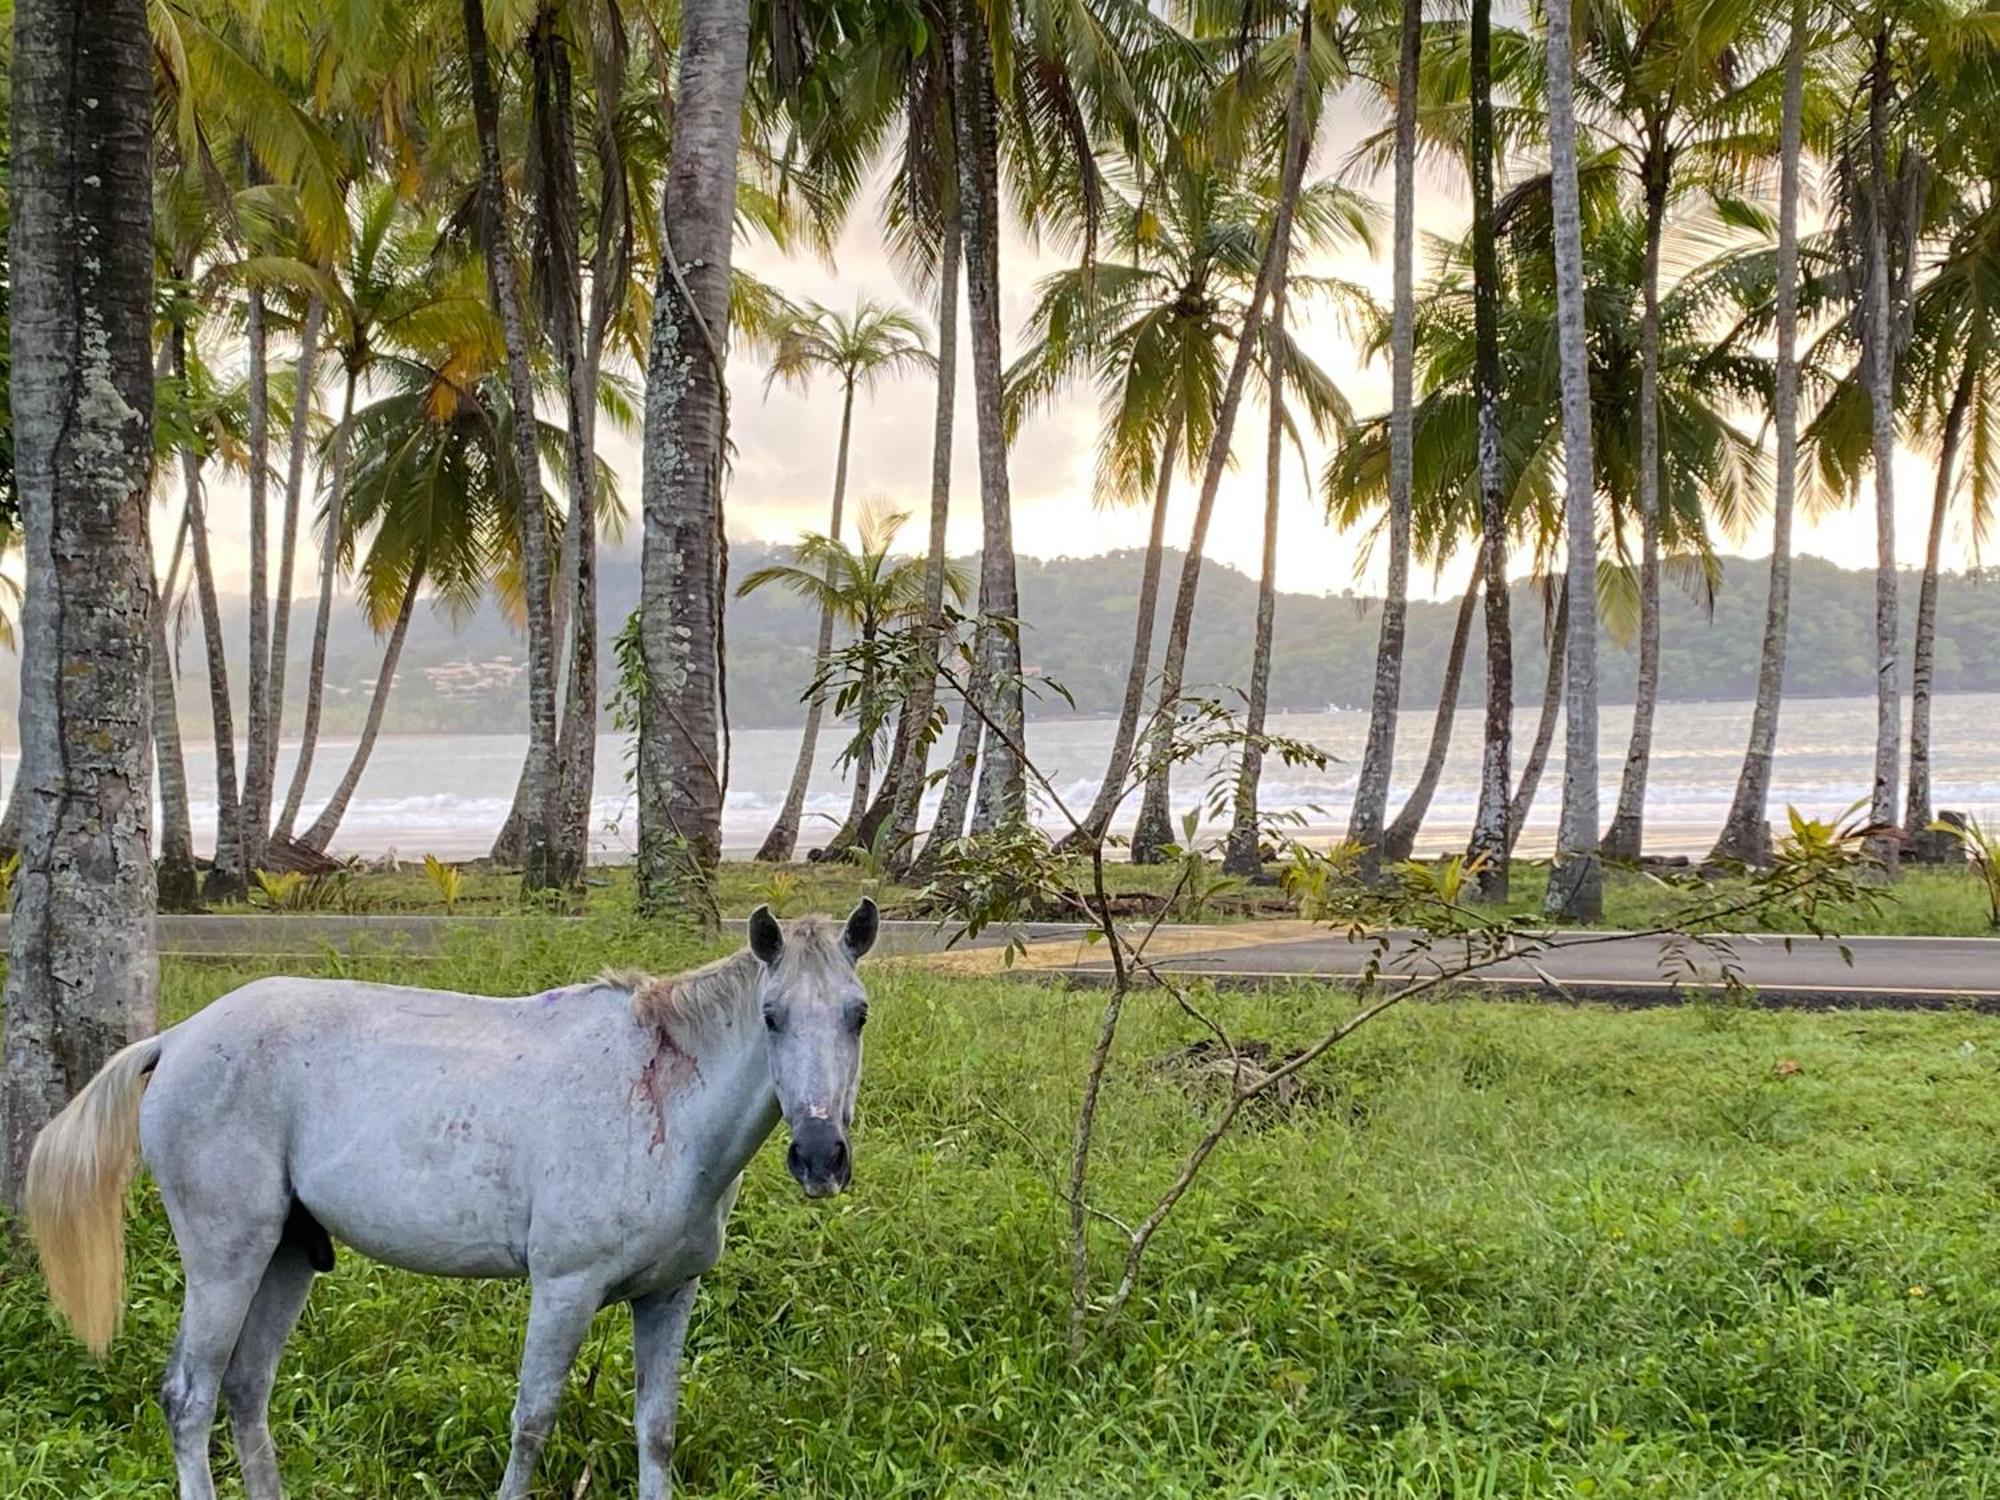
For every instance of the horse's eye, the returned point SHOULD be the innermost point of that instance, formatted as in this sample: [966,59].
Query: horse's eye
[859,1015]
[770,1020]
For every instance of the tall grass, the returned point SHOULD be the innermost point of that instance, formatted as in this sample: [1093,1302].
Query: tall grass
[1493,1250]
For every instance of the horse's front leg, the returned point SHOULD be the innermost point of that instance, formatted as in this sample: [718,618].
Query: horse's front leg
[558,1317]
[659,1328]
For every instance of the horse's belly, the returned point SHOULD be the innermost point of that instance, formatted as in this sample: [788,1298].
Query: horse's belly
[447,1201]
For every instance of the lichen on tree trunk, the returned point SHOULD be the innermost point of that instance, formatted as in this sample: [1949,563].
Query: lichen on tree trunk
[82,976]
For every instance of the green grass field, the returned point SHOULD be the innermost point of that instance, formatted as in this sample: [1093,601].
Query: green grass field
[1494,1251]
[1950,903]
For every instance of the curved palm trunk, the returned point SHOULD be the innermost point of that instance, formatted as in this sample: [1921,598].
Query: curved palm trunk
[1746,832]
[908,779]
[327,823]
[258,700]
[1880,357]
[329,573]
[1378,759]
[82,974]
[1401,836]
[539,866]
[1241,854]
[288,549]
[1487,849]
[781,842]
[864,754]
[949,825]
[1111,790]
[1923,643]
[1576,881]
[1002,796]
[1545,728]
[1155,831]
[1626,837]
[680,592]
[177,881]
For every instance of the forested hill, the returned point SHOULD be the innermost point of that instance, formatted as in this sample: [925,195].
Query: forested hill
[1079,632]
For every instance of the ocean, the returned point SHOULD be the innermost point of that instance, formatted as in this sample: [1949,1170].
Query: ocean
[448,794]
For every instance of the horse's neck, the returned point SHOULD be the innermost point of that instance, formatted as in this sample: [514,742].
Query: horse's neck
[733,1106]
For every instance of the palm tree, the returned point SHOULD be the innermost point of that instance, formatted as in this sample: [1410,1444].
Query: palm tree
[866,590]
[434,489]
[1487,851]
[1154,831]
[1365,824]
[541,868]
[860,350]
[1661,75]
[680,776]
[390,294]
[1148,323]
[1745,831]
[82,974]
[1576,885]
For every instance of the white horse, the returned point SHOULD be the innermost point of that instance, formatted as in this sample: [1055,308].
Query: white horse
[591,1139]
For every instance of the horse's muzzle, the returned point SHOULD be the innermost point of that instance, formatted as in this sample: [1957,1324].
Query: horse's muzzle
[818,1159]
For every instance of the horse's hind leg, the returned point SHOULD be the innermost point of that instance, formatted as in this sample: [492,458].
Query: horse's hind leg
[227,1239]
[246,1386]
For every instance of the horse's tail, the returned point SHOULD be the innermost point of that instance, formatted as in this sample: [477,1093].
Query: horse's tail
[74,1194]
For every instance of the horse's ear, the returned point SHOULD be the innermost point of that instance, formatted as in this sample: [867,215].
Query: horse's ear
[767,938]
[862,925]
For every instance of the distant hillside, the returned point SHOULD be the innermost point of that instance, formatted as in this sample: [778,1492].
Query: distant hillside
[465,676]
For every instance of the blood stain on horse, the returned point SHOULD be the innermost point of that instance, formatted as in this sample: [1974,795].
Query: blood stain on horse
[665,1071]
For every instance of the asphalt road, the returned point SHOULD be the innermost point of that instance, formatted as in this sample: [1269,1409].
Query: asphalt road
[1904,972]
[1911,972]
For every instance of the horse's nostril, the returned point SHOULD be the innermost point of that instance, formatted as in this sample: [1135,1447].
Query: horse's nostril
[836,1159]
[794,1162]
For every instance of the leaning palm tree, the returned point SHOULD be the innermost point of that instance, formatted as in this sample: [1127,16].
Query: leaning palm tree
[866,589]
[859,350]
[1150,323]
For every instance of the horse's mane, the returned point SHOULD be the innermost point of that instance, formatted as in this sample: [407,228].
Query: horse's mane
[720,984]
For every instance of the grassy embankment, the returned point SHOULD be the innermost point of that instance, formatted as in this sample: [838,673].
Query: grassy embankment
[1922,901]
[1497,1250]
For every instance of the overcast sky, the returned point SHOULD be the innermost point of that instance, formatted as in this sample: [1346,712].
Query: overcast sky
[785,441]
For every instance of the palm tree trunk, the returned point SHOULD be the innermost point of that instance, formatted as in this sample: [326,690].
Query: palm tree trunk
[329,573]
[562,212]
[949,825]
[1745,836]
[864,752]
[1155,831]
[1241,854]
[1402,835]
[1576,881]
[1923,644]
[1487,849]
[1881,375]
[1378,759]
[782,841]
[82,974]
[177,881]
[680,601]
[908,780]
[1626,837]
[539,868]
[255,796]
[327,823]
[1111,790]
[288,548]
[1002,796]
[1545,728]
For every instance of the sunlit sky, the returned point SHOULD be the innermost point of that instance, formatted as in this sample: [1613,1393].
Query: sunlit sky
[785,440]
